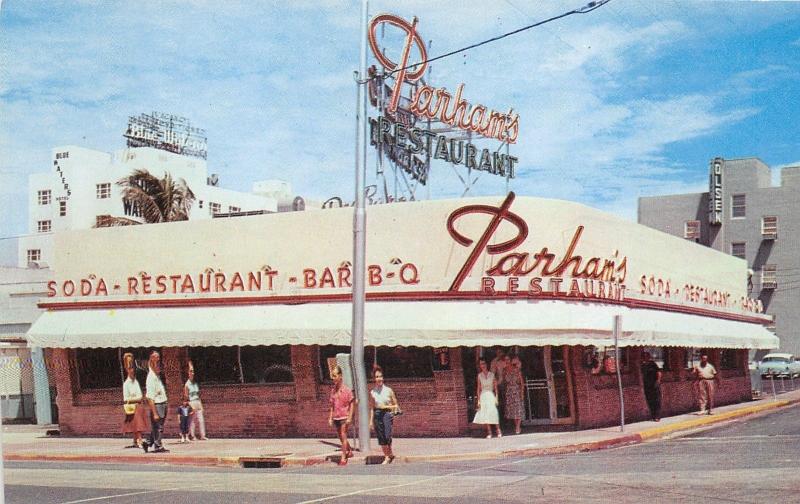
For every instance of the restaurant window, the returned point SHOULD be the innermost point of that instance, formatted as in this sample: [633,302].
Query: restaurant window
[104,190]
[405,362]
[738,249]
[728,359]
[738,207]
[602,360]
[101,368]
[43,197]
[693,357]
[327,355]
[691,230]
[396,362]
[62,208]
[660,355]
[247,364]
[44,226]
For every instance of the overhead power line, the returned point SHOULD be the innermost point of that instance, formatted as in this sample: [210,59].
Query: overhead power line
[582,10]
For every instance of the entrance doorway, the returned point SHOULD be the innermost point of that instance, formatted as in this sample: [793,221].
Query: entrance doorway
[548,385]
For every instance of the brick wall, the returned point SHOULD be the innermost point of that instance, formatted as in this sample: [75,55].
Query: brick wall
[597,396]
[432,407]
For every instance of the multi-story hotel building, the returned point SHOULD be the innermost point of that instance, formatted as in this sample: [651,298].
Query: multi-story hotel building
[743,214]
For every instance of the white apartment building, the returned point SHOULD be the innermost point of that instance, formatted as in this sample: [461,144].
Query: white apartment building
[82,186]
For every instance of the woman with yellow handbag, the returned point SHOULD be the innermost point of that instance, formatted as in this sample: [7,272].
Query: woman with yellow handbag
[136,419]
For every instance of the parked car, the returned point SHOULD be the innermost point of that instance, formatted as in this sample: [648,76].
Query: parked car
[779,365]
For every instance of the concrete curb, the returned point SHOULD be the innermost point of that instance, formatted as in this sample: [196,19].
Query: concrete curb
[622,440]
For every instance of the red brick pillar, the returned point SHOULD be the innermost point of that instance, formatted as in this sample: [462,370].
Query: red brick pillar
[310,405]
[173,364]
[66,384]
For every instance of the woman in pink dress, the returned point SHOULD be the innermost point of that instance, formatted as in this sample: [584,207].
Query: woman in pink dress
[341,412]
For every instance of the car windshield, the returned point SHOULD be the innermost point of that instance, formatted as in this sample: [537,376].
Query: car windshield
[775,359]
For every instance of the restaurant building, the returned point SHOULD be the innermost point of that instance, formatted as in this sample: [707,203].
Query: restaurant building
[260,304]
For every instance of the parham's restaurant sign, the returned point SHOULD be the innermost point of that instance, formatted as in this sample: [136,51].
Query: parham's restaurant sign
[403,141]
[481,250]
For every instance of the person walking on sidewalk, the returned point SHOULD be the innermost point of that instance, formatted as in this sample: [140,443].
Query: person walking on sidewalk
[487,400]
[136,416]
[192,390]
[651,385]
[157,399]
[383,408]
[706,376]
[340,415]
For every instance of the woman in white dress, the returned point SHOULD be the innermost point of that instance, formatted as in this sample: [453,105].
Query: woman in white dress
[487,401]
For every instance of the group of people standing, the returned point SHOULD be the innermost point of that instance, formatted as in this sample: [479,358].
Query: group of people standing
[148,411]
[502,379]
[383,408]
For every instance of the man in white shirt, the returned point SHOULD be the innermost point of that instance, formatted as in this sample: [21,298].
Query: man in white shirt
[156,397]
[706,376]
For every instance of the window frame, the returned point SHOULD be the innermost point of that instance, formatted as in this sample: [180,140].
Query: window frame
[769,275]
[44,226]
[34,255]
[103,190]
[741,206]
[214,208]
[62,208]
[692,230]
[773,228]
[44,196]
[744,249]
[234,209]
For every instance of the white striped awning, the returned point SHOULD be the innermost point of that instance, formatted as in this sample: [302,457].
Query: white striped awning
[403,323]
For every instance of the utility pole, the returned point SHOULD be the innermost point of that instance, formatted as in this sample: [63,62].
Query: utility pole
[360,245]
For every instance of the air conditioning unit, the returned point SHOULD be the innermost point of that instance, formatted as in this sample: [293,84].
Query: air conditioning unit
[769,285]
[769,235]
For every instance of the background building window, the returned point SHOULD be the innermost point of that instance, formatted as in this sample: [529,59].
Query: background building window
[43,226]
[200,204]
[104,190]
[769,227]
[62,208]
[34,255]
[214,208]
[44,197]
[738,249]
[769,278]
[247,364]
[691,230]
[738,206]
[234,209]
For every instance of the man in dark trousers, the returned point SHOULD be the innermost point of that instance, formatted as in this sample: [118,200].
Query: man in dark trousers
[651,382]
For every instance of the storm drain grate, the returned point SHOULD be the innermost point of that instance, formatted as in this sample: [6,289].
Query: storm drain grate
[261,462]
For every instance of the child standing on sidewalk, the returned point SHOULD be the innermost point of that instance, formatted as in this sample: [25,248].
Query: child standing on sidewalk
[185,413]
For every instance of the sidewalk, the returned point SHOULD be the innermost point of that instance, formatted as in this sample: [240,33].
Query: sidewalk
[29,442]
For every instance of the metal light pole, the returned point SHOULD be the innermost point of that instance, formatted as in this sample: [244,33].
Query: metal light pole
[617,333]
[360,245]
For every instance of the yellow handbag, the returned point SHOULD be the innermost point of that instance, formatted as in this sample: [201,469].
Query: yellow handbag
[130,409]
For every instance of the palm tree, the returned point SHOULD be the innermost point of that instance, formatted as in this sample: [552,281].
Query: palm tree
[156,199]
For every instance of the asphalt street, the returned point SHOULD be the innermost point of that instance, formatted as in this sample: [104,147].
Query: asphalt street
[748,461]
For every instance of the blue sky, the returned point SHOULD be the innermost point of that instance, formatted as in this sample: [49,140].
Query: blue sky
[632,99]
